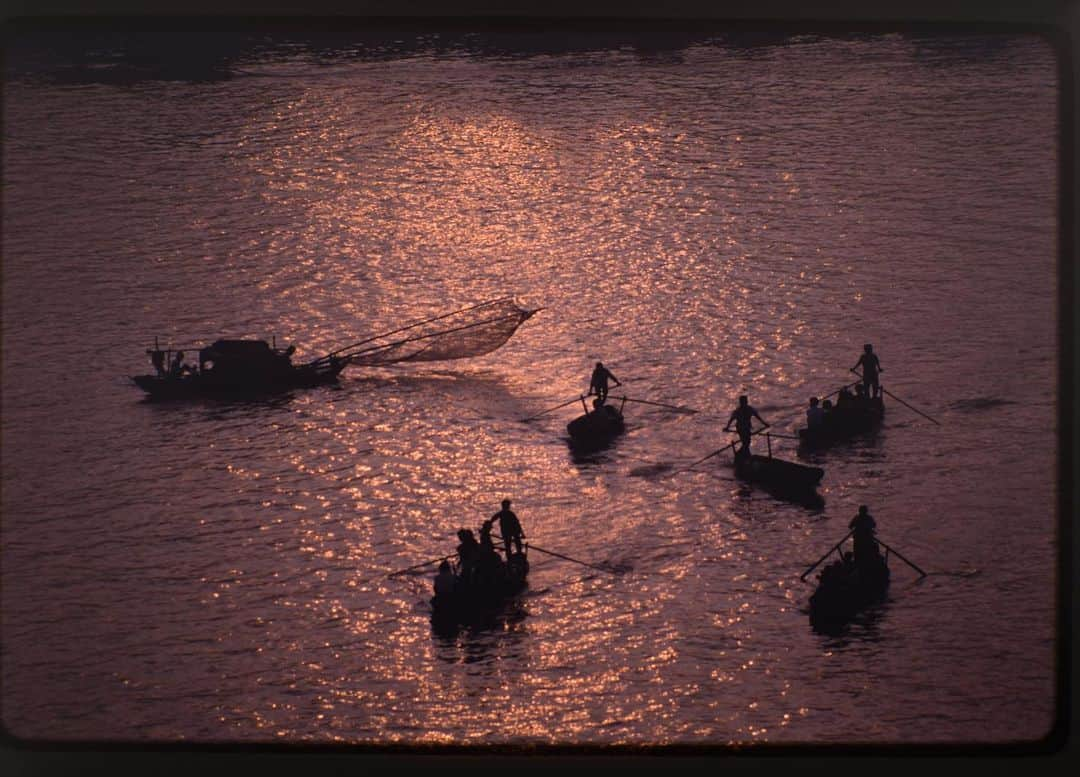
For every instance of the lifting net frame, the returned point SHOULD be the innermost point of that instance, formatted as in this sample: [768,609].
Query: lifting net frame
[471,331]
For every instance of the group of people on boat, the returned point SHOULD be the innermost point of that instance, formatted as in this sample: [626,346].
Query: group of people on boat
[821,412]
[178,368]
[865,560]
[478,562]
[818,413]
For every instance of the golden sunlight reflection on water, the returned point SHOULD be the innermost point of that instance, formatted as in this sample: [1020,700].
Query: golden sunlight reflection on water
[664,232]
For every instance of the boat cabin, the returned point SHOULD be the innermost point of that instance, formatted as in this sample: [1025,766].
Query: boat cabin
[244,357]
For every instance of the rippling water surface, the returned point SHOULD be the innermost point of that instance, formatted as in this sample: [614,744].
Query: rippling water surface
[708,216]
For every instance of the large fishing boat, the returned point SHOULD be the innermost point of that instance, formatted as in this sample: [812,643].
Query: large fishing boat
[230,367]
[478,594]
[851,416]
[245,367]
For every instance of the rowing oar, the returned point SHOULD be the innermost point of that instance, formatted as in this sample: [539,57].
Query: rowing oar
[680,408]
[834,547]
[560,555]
[564,404]
[909,563]
[576,561]
[714,453]
[419,566]
[905,404]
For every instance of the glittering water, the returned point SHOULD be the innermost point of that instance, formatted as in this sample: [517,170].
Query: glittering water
[709,216]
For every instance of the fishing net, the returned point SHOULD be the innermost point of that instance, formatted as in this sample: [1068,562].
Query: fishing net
[472,331]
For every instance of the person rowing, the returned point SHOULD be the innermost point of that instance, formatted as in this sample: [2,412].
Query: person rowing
[743,416]
[509,527]
[864,526]
[871,366]
[598,383]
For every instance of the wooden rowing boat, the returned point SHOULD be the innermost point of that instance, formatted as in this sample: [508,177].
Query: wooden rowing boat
[783,479]
[597,428]
[476,597]
[844,588]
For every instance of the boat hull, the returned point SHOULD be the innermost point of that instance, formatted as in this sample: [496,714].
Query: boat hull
[844,590]
[210,385]
[474,603]
[784,479]
[596,429]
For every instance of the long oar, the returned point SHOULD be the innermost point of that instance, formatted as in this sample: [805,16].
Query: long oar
[896,553]
[905,404]
[680,408]
[834,547]
[576,561]
[564,404]
[714,453]
[419,566]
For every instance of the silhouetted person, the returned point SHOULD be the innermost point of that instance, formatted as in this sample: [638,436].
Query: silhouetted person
[178,367]
[844,398]
[870,369]
[815,415]
[509,527]
[468,551]
[865,544]
[488,562]
[743,416]
[444,581]
[598,383]
[826,408]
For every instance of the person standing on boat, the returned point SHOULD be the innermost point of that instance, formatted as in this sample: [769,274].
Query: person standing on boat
[864,526]
[598,383]
[871,367]
[742,416]
[815,415]
[509,527]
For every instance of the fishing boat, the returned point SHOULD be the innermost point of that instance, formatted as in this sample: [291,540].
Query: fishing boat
[254,366]
[850,417]
[476,598]
[844,588]
[235,367]
[784,479]
[597,427]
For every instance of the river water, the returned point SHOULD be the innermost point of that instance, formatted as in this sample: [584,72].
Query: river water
[708,213]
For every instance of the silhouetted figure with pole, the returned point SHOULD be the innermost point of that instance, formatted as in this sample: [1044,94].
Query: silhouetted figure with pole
[598,384]
[870,369]
[864,526]
[509,527]
[742,416]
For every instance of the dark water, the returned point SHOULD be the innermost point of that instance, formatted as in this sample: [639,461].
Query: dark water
[709,216]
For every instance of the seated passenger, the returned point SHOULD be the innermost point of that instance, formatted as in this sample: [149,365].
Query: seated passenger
[844,398]
[444,581]
[815,415]
[468,551]
[826,408]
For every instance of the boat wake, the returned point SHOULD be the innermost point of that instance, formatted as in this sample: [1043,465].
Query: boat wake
[650,470]
[979,403]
